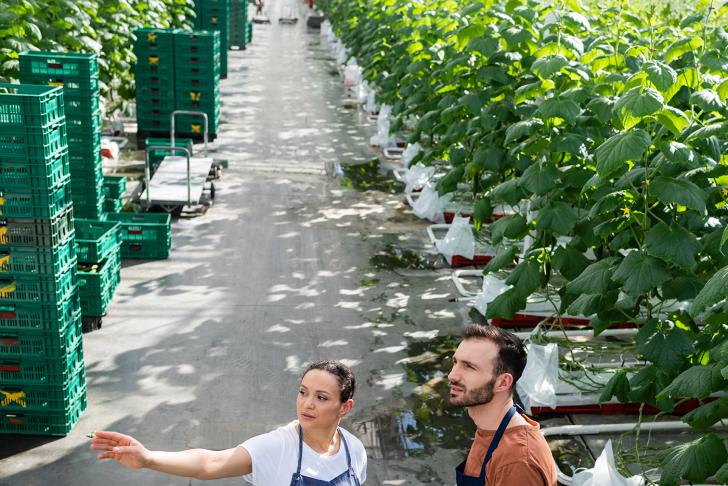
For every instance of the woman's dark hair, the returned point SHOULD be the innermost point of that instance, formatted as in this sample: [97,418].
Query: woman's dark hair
[511,350]
[344,375]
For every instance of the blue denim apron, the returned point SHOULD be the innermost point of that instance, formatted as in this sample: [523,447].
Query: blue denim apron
[461,478]
[346,478]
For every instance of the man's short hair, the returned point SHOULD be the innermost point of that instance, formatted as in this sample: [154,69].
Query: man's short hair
[511,350]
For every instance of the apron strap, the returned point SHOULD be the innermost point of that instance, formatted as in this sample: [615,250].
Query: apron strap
[496,439]
[300,450]
[346,449]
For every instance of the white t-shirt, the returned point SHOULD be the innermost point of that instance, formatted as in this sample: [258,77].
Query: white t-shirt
[275,458]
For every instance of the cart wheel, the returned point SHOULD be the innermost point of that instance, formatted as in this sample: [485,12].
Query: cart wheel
[168,209]
[212,191]
[218,172]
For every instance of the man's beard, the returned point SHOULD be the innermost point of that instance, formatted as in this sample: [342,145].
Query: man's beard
[475,397]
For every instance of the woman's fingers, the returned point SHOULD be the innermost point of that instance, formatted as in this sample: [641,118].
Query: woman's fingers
[109,435]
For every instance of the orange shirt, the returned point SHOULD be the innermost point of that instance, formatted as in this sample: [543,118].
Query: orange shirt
[522,458]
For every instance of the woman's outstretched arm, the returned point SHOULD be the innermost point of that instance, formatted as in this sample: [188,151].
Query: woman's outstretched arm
[193,463]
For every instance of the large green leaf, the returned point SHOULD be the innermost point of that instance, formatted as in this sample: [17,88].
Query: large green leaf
[557,217]
[660,74]
[522,129]
[722,90]
[683,46]
[595,279]
[547,66]
[512,226]
[699,381]
[589,304]
[569,261]
[540,178]
[559,108]
[489,158]
[503,257]
[618,386]
[666,346]
[708,414]
[506,305]
[694,461]
[673,244]
[713,293]
[640,102]
[679,191]
[707,100]
[639,273]
[621,148]
[673,119]
[679,153]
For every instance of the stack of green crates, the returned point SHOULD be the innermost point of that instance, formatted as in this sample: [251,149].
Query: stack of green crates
[144,235]
[99,264]
[197,80]
[155,100]
[42,374]
[215,15]
[239,20]
[79,76]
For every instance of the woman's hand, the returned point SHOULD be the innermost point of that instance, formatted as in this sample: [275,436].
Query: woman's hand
[122,448]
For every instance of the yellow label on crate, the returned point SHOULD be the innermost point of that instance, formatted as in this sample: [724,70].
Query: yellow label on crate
[153,60]
[195,96]
[151,37]
[2,201]
[3,232]
[213,20]
[8,289]
[55,83]
[196,128]
[10,398]
[4,263]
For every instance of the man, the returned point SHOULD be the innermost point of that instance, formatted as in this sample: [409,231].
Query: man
[508,449]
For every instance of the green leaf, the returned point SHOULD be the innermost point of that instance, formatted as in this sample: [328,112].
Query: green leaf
[506,305]
[449,183]
[556,217]
[489,158]
[569,261]
[682,47]
[509,192]
[522,129]
[707,100]
[503,257]
[699,381]
[623,147]
[707,414]
[526,277]
[679,153]
[512,226]
[487,46]
[679,191]
[640,102]
[724,239]
[682,288]
[559,108]
[595,279]
[639,273]
[547,66]
[482,211]
[713,293]
[694,461]
[611,202]
[673,244]
[667,347]
[722,474]
[602,108]
[673,119]
[617,386]
[723,90]
[660,74]
[471,8]
[540,178]
[590,304]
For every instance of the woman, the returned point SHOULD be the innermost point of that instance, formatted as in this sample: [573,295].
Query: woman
[312,451]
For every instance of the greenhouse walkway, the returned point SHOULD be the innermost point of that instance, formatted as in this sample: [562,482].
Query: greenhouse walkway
[205,349]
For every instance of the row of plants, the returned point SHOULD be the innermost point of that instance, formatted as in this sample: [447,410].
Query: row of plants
[606,129]
[104,27]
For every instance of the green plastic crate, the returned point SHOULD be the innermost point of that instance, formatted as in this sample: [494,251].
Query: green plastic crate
[96,240]
[44,173]
[144,235]
[30,106]
[40,344]
[38,290]
[34,203]
[41,261]
[34,144]
[113,206]
[43,398]
[90,141]
[80,66]
[36,232]
[84,125]
[57,370]
[44,423]
[115,186]
[51,316]
[97,284]
[90,210]
[81,105]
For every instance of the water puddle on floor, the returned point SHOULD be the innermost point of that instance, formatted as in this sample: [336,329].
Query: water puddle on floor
[369,176]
